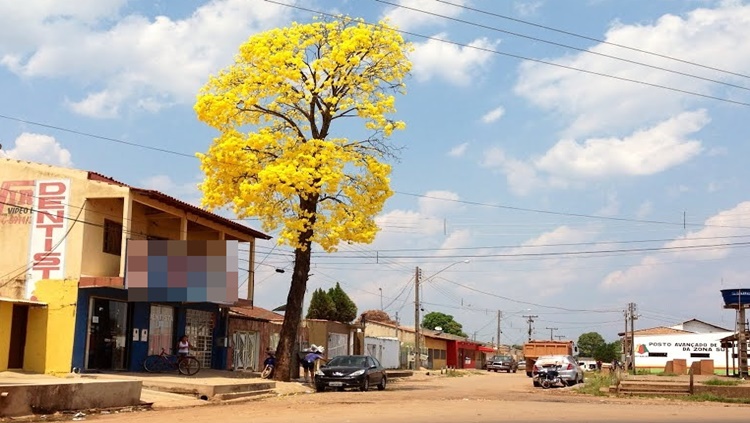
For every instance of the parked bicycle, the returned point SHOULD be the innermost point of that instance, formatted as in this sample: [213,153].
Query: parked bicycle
[164,362]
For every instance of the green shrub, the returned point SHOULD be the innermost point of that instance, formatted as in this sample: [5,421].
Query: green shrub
[722,382]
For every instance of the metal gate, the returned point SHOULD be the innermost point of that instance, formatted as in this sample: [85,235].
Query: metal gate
[161,329]
[199,327]
[245,349]
[337,344]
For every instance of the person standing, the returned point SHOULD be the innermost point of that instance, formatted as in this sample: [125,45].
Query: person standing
[308,364]
[183,347]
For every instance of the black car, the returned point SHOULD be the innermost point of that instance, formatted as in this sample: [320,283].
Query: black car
[351,371]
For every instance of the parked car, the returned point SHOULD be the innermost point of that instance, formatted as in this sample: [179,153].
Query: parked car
[505,363]
[351,371]
[521,364]
[570,372]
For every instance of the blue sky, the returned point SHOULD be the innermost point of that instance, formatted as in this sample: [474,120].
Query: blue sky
[571,193]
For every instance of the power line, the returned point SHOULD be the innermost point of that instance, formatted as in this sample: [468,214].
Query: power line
[574,253]
[585,37]
[568,214]
[517,56]
[528,302]
[554,43]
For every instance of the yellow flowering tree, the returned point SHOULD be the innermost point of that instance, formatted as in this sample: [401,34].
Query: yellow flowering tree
[281,154]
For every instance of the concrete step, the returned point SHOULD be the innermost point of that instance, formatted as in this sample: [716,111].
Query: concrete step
[243,387]
[648,386]
[229,397]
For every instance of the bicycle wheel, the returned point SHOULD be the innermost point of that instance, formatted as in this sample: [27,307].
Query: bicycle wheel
[154,364]
[189,366]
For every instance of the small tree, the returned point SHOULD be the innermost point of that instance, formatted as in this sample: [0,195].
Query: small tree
[345,309]
[436,319]
[377,316]
[282,155]
[321,306]
[589,342]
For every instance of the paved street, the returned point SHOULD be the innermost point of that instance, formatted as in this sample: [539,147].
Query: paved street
[483,397]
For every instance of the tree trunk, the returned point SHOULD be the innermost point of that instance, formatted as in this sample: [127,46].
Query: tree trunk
[293,312]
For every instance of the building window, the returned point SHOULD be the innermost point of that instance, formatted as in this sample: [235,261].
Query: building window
[112,237]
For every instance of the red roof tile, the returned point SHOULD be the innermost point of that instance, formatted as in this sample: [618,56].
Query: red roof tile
[164,198]
[257,313]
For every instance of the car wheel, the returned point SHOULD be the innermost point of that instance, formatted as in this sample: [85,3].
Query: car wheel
[381,385]
[319,387]
[365,385]
[571,382]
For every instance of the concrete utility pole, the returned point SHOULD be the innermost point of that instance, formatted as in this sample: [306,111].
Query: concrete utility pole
[417,354]
[551,333]
[381,299]
[499,331]
[633,318]
[559,337]
[530,321]
[625,342]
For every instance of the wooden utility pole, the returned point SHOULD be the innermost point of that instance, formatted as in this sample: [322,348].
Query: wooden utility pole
[530,321]
[551,333]
[499,331]
[417,353]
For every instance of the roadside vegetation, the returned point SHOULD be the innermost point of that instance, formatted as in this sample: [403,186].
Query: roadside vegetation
[723,382]
[715,398]
[595,382]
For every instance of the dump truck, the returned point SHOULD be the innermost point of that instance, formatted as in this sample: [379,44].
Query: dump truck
[535,349]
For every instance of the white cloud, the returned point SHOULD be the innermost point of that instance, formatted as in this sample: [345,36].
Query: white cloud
[644,152]
[459,150]
[527,8]
[594,103]
[405,19]
[571,163]
[39,148]
[455,64]
[612,208]
[185,191]
[439,203]
[104,104]
[161,60]
[644,210]
[493,115]
[651,270]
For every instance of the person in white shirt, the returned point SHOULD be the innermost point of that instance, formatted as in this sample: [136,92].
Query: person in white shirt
[183,347]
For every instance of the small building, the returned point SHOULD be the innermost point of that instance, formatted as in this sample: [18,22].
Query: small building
[63,299]
[252,332]
[692,340]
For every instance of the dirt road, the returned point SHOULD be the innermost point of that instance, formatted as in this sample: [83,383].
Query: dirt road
[484,397]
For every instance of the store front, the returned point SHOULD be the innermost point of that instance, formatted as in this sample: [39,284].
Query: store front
[112,334]
[107,335]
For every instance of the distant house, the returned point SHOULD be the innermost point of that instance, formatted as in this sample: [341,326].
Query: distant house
[699,326]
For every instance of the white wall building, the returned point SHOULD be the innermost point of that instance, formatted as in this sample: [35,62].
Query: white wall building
[692,340]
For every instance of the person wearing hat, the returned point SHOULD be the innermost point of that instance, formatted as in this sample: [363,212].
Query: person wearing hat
[308,364]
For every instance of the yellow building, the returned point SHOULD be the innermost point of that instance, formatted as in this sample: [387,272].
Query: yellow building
[63,302]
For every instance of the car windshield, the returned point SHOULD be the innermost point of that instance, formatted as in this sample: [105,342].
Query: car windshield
[348,361]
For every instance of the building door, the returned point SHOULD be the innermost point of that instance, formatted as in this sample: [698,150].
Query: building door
[19,320]
[199,327]
[245,355]
[107,335]
[161,329]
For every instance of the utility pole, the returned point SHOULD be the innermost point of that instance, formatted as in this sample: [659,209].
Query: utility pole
[474,338]
[530,321]
[381,299]
[633,318]
[551,333]
[625,338]
[559,337]
[417,354]
[499,331]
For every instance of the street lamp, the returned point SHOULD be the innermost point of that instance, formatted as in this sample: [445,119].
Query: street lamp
[417,275]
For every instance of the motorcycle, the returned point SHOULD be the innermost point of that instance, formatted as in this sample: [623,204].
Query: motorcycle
[269,366]
[548,377]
